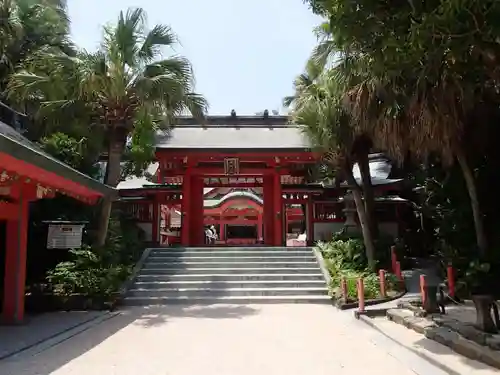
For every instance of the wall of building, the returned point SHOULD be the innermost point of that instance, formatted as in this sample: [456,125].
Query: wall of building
[323,231]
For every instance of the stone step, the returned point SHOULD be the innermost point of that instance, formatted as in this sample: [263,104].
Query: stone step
[270,250]
[228,270]
[151,301]
[225,259]
[230,277]
[215,264]
[204,284]
[227,253]
[213,292]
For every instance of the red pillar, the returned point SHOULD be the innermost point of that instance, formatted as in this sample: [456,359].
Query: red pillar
[155,230]
[15,266]
[222,225]
[278,210]
[285,214]
[185,210]
[268,192]
[196,211]
[259,227]
[310,222]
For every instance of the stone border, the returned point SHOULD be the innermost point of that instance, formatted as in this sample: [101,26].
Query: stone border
[443,334]
[131,279]
[322,265]
[369,302]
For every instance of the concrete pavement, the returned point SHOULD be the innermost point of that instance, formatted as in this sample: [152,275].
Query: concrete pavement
[223,340]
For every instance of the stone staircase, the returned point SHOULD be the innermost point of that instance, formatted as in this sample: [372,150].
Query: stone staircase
[229,275]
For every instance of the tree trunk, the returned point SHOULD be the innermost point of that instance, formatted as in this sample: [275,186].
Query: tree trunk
[364,169]
[111,178]
[470,182]
[360,208]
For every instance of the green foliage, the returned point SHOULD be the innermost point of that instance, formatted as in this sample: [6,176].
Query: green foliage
[356,246]
[100,272]
[127,88]
[65,148]
[345,254]
[124,244]
[86,274]
[29,27]
[345,258]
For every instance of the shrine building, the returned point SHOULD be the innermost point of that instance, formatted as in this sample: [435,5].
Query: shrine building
[27,174]
[249,177]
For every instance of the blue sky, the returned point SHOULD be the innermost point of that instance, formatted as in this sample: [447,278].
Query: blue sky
[245,53]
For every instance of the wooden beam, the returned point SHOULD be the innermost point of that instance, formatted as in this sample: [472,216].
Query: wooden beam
[214,155]
[8,211]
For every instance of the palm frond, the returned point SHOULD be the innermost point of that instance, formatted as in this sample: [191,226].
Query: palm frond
[158,37]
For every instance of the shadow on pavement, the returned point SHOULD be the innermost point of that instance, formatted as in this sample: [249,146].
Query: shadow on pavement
[442,350]
[46,358]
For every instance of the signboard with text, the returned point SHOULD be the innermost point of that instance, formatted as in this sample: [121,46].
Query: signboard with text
[65,236]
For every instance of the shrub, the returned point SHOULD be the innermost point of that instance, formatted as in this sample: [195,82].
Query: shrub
[86,274]
[345,258]
[345,254]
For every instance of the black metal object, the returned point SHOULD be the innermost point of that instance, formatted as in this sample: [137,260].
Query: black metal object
[434,300]
[430,302]
[485,308]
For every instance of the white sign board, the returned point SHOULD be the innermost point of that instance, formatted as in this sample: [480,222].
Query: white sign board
[64,236]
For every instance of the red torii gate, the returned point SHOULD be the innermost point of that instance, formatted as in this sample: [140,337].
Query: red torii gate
[251,150]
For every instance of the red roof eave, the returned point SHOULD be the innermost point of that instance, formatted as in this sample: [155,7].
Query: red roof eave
[48,179]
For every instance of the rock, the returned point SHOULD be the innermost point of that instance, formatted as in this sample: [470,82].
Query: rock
[467,348]
[471,333]
[423,325]
[490,357]
[493,342]
[439,319]
[398,315]
[418,324]
[441,335]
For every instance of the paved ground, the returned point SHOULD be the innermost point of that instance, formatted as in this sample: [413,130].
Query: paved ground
[434,352]
[39,328]
[224,340]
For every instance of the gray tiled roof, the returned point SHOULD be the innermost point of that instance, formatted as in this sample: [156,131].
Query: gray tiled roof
[230,137]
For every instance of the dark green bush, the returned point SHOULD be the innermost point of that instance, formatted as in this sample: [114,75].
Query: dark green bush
[86,274]
[345,258]
[100,272]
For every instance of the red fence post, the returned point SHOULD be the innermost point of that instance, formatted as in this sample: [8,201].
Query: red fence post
[343,287]
[398,273]
[422,288]
[451,281]
[361,295]
[381,276]
[394,259]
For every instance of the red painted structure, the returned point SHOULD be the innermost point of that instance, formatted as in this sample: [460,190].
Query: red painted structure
[26,175]
[231,208]
[253,152]
[273,170]
[260,153]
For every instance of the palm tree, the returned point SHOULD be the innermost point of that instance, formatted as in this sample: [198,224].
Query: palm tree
[30,26]
[326,56]
[411,115]
[127,89]
[416,92]
[318,108]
